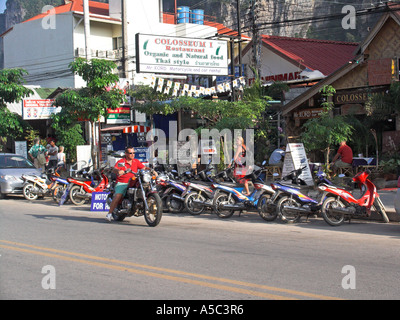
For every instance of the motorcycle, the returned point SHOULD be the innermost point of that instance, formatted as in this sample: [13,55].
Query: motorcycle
[82,189]
[172,192]
[229,199]
[46,185]
[200,193]
[141,199]
[340,205]
[293,199]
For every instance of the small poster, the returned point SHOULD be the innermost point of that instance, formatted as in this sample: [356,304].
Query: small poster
[99,202]
[21,148]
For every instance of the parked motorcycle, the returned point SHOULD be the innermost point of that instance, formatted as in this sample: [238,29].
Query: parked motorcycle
[200,192]
[340,205]
[45,185]
[82,189]
[293,199]
[171,191]
[229,199]
[141,199]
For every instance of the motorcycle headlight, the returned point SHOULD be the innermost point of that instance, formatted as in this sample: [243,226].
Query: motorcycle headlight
[146,178]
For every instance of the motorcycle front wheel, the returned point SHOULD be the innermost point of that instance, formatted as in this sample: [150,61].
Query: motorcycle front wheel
[73,195]
[331,218]
[380,208]
[28,192]
[194,208]
[154,214]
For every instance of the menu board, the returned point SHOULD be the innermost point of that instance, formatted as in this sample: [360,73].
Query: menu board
[296,158]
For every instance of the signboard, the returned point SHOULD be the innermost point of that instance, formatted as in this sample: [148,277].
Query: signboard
[296,158]
[21,148]
[99,202]
[119,116]
[142,154]
[39,109]
[174,55]
[308,113]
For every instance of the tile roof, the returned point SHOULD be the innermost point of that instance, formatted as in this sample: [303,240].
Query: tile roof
[323,55]
[95,8]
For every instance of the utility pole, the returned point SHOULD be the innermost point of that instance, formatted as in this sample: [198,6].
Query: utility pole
[256,38]
[240,37]
[87,29]
[124,40]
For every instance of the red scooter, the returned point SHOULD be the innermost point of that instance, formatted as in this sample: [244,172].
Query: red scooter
[340,205]
[81,189]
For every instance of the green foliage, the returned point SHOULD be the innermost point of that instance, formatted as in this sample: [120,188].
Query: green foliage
[88,103]
[325,132]
[11,90]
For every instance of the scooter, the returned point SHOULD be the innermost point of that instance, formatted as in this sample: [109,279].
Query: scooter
[172,192]
[83,188]
[340,204]
[228,199]
[39,186]
[293,199]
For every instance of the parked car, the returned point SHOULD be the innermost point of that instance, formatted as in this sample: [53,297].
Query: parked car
[12,166]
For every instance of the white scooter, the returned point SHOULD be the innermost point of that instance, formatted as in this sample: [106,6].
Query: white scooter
[39,186]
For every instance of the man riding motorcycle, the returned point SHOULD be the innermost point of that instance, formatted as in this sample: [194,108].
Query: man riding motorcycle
[123,177]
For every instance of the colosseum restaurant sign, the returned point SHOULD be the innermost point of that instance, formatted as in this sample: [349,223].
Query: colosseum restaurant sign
[174,55]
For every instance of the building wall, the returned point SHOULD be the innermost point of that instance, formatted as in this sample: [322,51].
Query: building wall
[44,53]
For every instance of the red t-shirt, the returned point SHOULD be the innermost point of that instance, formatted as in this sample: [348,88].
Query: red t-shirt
[346,154]
[124,165]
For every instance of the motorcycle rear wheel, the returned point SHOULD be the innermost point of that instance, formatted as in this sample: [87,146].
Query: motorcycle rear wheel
[58,193]
[380,208]
[154,214]
[219,200]
[72,195]
[263,210]
[194,208]
[333,219]
[286,216]
[28,193]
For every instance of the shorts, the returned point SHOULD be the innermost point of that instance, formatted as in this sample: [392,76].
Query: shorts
[121,188]
[341,164]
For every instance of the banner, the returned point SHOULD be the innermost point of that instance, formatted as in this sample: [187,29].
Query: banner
[174,55]
[39,109]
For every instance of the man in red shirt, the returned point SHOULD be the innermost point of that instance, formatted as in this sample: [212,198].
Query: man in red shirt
[128,162]
[343,158]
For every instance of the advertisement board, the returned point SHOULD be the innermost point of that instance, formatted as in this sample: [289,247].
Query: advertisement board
[39,109]
[174,55]
[296,158]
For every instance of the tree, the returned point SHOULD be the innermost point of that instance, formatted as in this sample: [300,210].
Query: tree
[321,134]
[89,103]
[11,90]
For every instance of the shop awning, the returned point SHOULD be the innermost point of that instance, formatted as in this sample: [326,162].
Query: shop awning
[128,129]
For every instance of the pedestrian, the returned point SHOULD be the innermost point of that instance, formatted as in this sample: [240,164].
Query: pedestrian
[38,154]
[61,162]
[343,157]
[52,150]
[277,157]
[239,164]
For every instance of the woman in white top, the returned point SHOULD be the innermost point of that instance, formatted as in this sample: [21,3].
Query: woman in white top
[61,157]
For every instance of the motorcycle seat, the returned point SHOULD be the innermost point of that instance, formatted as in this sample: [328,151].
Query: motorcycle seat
[231,184]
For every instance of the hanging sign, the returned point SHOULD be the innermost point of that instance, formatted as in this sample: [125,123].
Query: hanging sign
[174,55]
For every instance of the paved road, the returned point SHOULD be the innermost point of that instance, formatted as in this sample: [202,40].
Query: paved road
[191,258]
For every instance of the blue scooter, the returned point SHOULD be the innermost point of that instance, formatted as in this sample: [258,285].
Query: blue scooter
[229,198]
[291,201]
